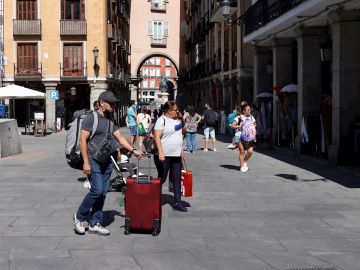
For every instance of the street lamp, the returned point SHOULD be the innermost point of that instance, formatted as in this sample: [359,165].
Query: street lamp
[96,66]
[73,91]
[225,9]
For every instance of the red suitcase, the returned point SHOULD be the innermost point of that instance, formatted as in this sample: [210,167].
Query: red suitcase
[143,204]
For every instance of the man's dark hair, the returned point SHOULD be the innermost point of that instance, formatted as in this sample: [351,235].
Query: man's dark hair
[96,104]
[131,102]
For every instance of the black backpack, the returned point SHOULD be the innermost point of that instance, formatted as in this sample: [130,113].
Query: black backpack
[211,118]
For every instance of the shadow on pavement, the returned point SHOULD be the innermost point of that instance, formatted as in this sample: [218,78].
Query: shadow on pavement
[231,167]
[109,217]
[315,165]
[169,199]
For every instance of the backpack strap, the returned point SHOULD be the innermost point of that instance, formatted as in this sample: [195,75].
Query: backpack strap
[95,124]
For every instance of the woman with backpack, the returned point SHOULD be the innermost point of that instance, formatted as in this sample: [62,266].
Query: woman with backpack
[191,119]
[245,135]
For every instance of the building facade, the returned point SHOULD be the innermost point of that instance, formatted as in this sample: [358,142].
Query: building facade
[311,45]
[70,49]
[217,66]
[156,74]
[155,34]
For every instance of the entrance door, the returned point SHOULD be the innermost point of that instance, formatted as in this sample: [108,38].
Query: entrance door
[73,60]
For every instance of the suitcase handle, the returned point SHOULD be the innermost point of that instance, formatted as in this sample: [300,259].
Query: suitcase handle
[146,179]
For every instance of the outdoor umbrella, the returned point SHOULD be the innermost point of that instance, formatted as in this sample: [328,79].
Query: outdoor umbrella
[290,88]
[14,91]
[264,95]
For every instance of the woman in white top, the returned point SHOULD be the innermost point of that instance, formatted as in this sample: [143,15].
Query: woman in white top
[145,119]
[169,140]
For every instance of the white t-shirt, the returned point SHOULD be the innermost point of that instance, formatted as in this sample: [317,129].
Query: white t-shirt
[144,119]
[172,138]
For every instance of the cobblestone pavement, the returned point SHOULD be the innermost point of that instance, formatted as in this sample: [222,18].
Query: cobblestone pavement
[284,213]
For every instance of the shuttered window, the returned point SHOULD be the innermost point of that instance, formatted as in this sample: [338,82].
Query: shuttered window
[26,9]
[158,29]
[27,59]
[73,60]
[72,9]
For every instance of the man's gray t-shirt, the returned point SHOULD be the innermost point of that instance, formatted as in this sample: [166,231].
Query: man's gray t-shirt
[172,138]
[101,131]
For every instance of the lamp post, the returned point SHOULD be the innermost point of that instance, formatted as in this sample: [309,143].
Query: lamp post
[96,66]
[225,9]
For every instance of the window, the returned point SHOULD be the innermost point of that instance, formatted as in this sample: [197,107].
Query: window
[158,72]
[152,83]
[73,60]
[167,72]
[151,61]
[145,84]
[144,93]
[152,72]
[72,9]
[157,61]
[167,62]
[145,72]
[158,29]
[26,9]
[152,93]
[27,58]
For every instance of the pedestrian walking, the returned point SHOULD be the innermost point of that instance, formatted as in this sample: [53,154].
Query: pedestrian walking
[210,120]
[245,135]
[169,139]
[143,121]
[131,119]
[97,164]
[191,119]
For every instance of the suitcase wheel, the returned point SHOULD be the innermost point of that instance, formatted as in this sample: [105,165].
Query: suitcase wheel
[127,232]
[155,232]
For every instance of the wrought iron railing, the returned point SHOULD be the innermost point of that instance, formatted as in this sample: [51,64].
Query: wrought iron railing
[73,70]
[26,27]
[73,27]
[265,11]
[28,71]
[158,41]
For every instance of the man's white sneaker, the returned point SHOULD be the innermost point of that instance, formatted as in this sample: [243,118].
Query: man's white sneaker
[231,146]
[205,150]
[242,169]
[97,228]
[79,226]
[215,149]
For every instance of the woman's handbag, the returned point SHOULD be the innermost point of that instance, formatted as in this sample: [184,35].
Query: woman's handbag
[140,129]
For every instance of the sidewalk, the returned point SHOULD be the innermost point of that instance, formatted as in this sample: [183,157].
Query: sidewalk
[284,213]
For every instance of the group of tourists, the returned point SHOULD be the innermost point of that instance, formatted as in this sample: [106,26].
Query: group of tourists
[168,131]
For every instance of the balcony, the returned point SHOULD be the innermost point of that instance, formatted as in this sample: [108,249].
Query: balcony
[74,72]
[73,27]
[265,11]
[216,12]
[27,27]
[158,41]
[28,73]
[158,7]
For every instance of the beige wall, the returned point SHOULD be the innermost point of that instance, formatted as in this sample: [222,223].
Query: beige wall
[50,41]
[139,39]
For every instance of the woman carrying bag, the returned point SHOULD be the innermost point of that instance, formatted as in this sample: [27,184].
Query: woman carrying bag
[169,139]
[143,121]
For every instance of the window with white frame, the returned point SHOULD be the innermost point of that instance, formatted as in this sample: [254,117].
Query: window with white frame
[167,72]
[167,62]
[152,83]
[152,93]
[158,29]
[151,61]
[157,61]
[152,72]
[145,83]
[144,93]
[145,72]
[158,72]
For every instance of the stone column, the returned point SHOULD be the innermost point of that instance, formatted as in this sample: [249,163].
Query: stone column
[282,75]
[50,107]
[262,78]
[95,90]
[345,26]
[309,74]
